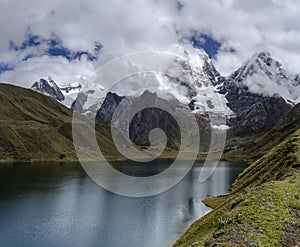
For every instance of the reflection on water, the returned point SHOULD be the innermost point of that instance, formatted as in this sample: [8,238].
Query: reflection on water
[59,205]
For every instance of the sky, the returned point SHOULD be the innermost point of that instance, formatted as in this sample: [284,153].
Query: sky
[69,39]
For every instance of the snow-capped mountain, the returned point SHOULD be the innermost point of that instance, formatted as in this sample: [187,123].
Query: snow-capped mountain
[70,91]
[48,87]
[195,84]
[260,93]
[249,93]
[262,74]
[65,94]
[71,87]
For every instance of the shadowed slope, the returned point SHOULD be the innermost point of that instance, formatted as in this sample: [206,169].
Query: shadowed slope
[35,127]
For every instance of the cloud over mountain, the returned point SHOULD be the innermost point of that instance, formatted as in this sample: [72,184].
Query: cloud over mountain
[65,38]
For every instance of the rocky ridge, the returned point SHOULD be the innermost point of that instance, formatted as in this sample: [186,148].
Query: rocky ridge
[253,98]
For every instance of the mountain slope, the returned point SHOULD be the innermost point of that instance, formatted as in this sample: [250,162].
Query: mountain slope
[144,121]
[263,208]
[252,147]
[35,127]
[253,99]
[260,93]
[263,75]
[65,94]
[195,82]
[48,87]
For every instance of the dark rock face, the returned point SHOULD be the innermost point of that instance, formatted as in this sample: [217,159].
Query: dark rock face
[263,115]
[77,104]
[297,80]
[69,88]
[238,96]
[255,112]
[144,121]
[150,118]
[192,105]
[48,87]
[105,113]
[212,73]
[294,113]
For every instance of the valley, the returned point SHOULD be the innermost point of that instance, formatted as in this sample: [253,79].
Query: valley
[262,129]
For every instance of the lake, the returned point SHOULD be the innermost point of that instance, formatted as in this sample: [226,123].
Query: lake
[59,205]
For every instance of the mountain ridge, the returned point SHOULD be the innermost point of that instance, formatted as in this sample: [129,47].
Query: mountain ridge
[262,207]
[260,64]
[237,97]
[37,128]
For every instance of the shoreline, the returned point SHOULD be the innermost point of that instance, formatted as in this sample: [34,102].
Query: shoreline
[200,157]
[261,186]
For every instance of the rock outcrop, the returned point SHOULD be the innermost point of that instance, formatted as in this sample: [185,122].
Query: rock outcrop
[144,121]
[48,87]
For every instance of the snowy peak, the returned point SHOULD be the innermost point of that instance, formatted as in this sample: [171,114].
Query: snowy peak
[70,91]
[65,94]
[71,88]
[197,60]
[193,80]
[48,87]
[263,75]
[198,84]
[260,63]
[196,81]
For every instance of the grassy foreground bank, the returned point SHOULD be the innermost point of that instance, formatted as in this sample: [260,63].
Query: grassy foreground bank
[263,208]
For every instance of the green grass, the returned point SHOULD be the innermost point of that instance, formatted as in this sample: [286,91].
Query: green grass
[214,202]
[254,146]
[35,127]
[263,208]
[264,216]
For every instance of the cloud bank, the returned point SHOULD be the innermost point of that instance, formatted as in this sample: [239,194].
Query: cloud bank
[74,37]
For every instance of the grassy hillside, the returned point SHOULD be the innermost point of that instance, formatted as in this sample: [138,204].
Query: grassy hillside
[263,208]
[35,127]
[252,147]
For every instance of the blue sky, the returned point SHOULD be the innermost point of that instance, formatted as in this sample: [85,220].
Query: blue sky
[51,47]
[54,47]
[207,43]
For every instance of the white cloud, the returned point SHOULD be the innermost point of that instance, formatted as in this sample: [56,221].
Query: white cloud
[139,25]
[58,68]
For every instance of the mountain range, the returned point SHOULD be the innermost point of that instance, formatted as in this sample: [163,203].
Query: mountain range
[252,99]
[37,128]
[219,102]
[261,74]
[66,94]
[262,208]
[259,103]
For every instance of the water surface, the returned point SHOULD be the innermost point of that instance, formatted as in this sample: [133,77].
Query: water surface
[59,205]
